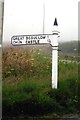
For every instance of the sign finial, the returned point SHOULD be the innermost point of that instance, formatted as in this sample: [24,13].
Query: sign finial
[55,22]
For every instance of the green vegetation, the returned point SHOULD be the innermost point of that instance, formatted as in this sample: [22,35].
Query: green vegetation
[70,50]
[27,85]
[71,47]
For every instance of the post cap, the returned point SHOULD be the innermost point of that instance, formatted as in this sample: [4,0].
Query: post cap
[55,22]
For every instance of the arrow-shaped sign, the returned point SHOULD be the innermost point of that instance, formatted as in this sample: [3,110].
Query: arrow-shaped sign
[31,39]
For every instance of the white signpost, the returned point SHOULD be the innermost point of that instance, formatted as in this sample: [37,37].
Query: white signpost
[37,39]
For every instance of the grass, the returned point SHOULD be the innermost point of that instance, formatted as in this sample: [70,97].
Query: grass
[27,84]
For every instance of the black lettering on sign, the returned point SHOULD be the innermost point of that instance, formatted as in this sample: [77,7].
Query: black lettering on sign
[31,37]
[14,38]
[38,41]
[29,42]
[44,37]
[32,41]
[18,38]
[26,37]
[35,37]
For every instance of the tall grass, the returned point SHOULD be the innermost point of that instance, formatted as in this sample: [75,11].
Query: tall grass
[27,84]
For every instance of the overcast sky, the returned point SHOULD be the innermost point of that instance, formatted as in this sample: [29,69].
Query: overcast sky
[26,17]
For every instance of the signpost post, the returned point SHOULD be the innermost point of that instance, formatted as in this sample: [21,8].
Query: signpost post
[38,39]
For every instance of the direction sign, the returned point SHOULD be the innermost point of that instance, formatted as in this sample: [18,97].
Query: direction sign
[31,39]
[38,39]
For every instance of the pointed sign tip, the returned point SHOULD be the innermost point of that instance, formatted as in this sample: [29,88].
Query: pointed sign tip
[55,22]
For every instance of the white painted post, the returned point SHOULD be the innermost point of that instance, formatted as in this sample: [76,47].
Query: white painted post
[54,67]
[54,43]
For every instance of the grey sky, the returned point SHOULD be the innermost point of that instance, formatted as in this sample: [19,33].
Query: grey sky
[26,17]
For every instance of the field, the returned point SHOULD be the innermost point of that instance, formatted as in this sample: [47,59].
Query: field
[27,84]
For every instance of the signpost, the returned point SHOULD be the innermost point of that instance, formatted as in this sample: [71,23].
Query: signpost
[38,39]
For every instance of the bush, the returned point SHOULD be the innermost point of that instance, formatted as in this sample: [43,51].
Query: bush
[66,95]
